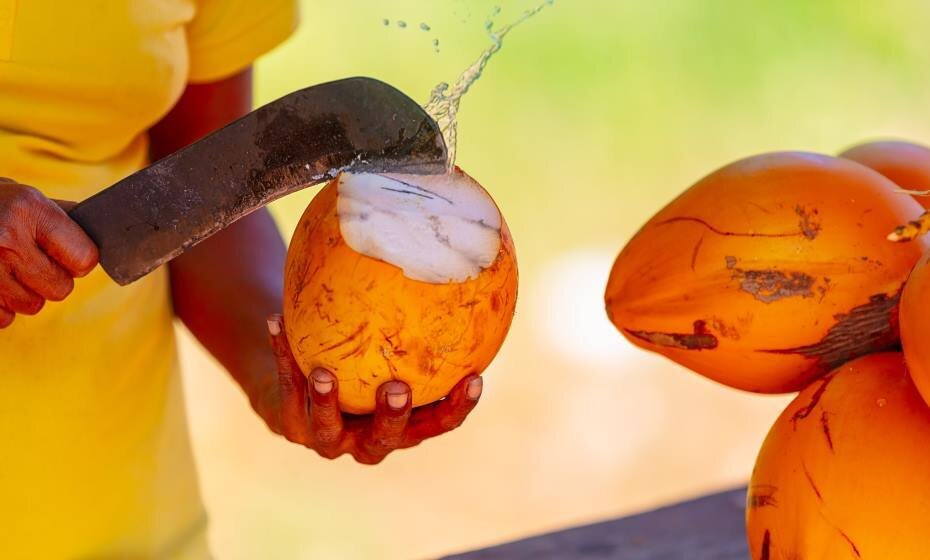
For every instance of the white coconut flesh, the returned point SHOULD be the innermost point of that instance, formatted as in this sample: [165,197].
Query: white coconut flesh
[436,228]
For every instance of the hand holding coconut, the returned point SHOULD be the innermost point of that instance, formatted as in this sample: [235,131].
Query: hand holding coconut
[399,291]
[306,410]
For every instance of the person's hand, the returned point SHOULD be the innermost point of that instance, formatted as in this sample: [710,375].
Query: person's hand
[42,251]
[308,412]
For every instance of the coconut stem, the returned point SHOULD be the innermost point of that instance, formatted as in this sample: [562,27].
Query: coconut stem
[912,229]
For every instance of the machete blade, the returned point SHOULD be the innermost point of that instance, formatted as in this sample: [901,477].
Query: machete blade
[302,139]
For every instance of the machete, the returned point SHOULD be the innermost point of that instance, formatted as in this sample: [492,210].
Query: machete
[304,138]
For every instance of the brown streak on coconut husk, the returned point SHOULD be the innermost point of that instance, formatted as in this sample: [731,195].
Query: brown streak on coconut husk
[769,286]
[761,495]
[766,545]
[496,302]
[759,207]
[815,400]
[392,369]
[396,349]
[823,288]
[322,314]
[700,339]
[825,426]
[303,276]
[855,548]
[694,254]
[871,327]
[810,480]
[724,232]
[808,223]
[359,350]
[726,331]
[347,339]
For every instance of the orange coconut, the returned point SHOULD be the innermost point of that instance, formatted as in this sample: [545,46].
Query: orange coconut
[905,163]
[915,325]
[399,277]
[843,472]
[769,272]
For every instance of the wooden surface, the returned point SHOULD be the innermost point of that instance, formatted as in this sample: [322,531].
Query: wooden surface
[708,528]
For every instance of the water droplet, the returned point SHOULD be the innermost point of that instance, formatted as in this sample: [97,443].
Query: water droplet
[424,27]
[881,402]
[401,23]
[443,103]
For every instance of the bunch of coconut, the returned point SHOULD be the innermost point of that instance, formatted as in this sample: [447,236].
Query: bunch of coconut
[399,277]
[788,272]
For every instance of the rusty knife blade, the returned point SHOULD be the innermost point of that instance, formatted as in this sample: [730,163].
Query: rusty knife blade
[305,138]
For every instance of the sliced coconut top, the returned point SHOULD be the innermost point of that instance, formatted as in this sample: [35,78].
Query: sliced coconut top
[436,228]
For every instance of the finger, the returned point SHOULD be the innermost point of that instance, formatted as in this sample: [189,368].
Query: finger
[447,414]
[392,410]
[326,421]
[65,242]
[17,298]
[292,386]
[6,318]
[42,275]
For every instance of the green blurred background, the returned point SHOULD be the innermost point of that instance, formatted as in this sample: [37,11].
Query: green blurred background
[592,116]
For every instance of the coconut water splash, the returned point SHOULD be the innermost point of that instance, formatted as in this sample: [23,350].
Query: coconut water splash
[443,104]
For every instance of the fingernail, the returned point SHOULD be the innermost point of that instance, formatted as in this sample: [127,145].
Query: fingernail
[396,396]
[274,326]
[322,381]
[473,390]
[397,401]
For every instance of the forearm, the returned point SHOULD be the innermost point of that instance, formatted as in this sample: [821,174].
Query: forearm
[225,287]
[223,291]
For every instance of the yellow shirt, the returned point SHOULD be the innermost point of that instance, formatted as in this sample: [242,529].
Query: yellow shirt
[95,459]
